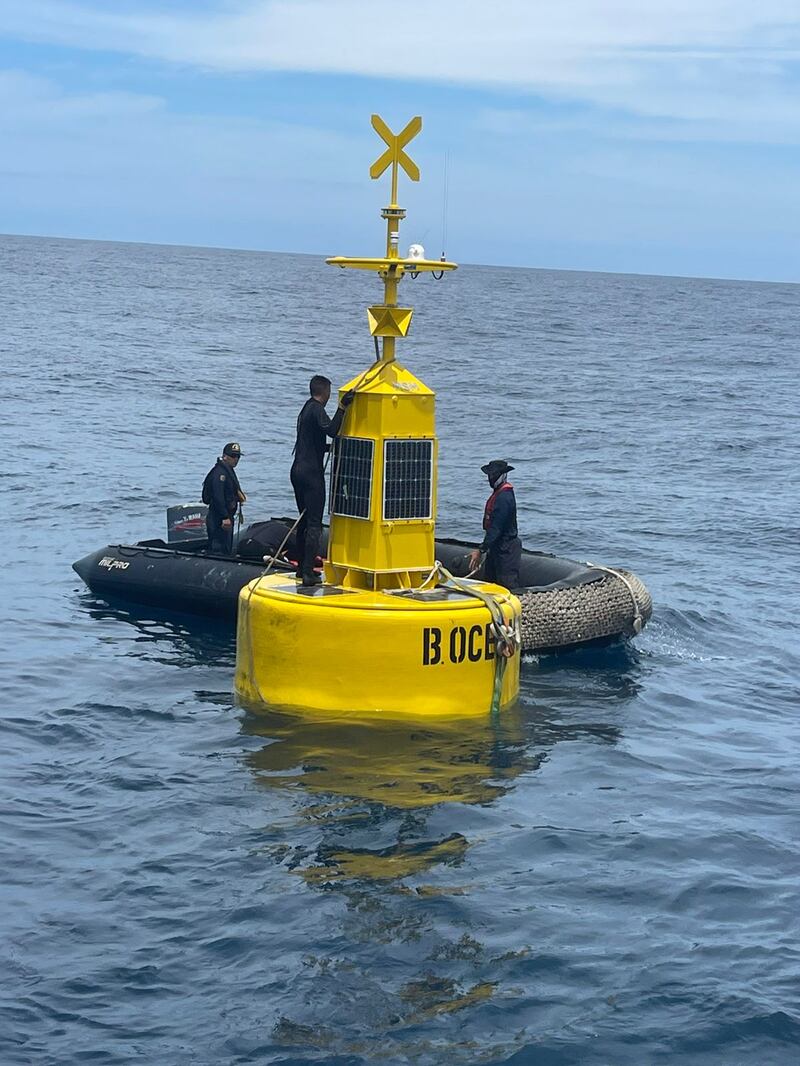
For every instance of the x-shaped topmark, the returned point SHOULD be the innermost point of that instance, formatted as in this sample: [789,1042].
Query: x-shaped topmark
[394,153]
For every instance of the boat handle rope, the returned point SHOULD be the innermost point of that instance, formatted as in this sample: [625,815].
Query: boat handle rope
[638,622]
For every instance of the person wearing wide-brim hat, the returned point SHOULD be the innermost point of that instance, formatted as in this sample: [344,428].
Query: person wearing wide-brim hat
[223,494]
[501,541]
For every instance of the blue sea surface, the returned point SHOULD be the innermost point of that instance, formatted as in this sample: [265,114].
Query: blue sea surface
[605,875]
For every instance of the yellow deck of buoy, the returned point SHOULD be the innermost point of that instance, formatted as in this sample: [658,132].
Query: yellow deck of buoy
[346,650]
[387,633]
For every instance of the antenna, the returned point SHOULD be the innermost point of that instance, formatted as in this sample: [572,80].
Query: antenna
[445,193]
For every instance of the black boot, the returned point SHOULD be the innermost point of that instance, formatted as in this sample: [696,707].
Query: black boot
[308,559]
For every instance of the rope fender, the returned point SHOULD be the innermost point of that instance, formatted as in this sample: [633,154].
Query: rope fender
[616,604]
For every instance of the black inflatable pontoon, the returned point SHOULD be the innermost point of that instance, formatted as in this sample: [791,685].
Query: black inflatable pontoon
[565,604]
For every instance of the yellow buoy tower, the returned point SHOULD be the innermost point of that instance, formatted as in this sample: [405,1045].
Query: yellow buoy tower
[389,632]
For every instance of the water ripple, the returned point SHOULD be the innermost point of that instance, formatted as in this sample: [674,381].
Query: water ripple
[606,874]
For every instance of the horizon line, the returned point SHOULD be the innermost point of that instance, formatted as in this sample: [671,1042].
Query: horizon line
[322,256]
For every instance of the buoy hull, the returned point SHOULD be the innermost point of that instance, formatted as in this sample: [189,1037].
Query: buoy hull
[344,651]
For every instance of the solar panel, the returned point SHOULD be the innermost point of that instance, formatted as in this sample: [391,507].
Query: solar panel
[351,480]
[407,479]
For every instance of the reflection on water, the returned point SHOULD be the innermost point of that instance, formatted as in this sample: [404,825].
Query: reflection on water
[397,764]
[387,827]
[373,785]
[368,784]
[391,821]
[166,637]
[372,782]
[386,864]
[431,996]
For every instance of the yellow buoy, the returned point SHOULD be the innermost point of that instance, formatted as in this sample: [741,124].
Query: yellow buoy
[389,632]
[430,652]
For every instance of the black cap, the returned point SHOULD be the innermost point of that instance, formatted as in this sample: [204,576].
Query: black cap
[233,450]
[496,468]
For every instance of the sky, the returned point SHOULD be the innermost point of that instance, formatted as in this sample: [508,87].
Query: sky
[644,136]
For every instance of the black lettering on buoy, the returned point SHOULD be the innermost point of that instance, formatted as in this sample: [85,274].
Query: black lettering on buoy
[458,644]
[475,651]
[431,646]
[489,644]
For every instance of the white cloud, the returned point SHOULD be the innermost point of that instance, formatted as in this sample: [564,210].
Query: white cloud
[691,59]
[25,98]
[123,165]
[138,133]
[564,185]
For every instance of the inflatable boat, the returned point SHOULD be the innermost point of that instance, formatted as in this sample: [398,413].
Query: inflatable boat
[565,604]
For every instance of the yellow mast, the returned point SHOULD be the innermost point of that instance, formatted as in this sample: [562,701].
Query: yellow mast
[387,320]
[383,485]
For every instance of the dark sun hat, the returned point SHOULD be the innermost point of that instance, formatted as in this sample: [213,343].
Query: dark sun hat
[496,467]
[233,450]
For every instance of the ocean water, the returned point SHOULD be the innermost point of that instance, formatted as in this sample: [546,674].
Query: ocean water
[606,875]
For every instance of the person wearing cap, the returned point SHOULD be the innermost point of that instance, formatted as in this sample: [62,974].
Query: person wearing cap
[223,494]
[308,471]
[501,542]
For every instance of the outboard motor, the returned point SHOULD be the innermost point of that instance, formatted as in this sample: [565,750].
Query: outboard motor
[186,521]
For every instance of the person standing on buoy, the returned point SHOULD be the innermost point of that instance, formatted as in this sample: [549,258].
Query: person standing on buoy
[501,542]
[308,471]
[223,494]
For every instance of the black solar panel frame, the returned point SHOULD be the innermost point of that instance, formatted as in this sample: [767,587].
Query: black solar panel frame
[348,482]
[398,503]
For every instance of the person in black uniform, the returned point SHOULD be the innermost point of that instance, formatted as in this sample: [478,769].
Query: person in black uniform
[308,471]
[501,543]
[223,494]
